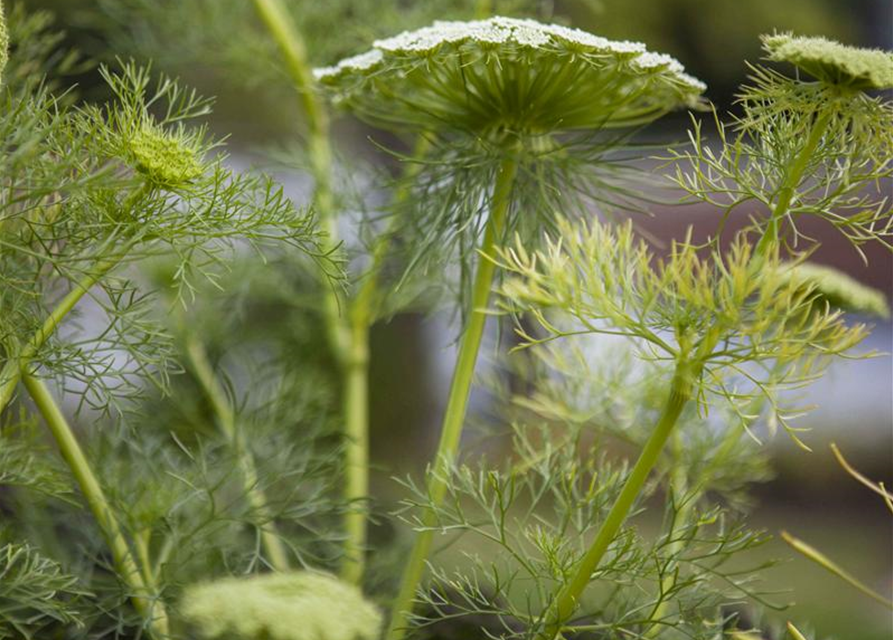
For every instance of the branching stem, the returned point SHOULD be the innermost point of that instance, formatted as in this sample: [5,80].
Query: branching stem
[356,390]
[457,403]
[792,180]
[144,600]
[569,597]
[348,343]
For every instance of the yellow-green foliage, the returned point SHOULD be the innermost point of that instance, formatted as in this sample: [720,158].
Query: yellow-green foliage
[832,61]
[839,290]
[297,606]
[716,313]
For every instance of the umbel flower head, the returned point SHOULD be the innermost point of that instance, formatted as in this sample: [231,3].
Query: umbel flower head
[297,606]
[507,74]
[833,62]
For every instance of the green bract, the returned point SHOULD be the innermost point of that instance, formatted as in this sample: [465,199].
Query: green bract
[508,74]
[297,606]
[838,289]
[833,62]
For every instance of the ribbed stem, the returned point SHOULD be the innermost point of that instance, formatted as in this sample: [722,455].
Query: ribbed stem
[226,421]
[144,600]
[460,389]
[569,597]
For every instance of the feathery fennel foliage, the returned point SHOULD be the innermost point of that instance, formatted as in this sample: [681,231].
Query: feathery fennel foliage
[34,593]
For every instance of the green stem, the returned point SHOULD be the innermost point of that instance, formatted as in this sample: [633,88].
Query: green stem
[356,481]
[349,344]
[283,31]
[12,369]
[144,600]
[226,420]
[483,9]
[356,392]
[568,598]
[460,389]
[792,181]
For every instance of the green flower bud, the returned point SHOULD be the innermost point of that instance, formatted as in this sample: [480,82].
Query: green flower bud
[832,62]
[297,606]
[166,160]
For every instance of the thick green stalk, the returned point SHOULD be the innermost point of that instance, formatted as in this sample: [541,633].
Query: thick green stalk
[143,598]
[460,389]
[792,181]
[12,370]
[226,420]
[568,598]
[731,440]
[356,428]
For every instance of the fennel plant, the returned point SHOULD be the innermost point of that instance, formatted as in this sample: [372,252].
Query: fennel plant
[184,350]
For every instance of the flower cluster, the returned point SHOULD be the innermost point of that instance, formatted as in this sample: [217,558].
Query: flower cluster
[297,606]
[833,62]
[835,288]
[505,73]
[713,310]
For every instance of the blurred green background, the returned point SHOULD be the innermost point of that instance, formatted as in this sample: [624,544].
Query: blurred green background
[218,47]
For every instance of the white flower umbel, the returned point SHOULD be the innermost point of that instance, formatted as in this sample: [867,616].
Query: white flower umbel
[504,73]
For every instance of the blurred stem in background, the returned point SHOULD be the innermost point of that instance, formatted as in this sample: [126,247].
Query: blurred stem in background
[356,379]
[351,356]
[226,422]
[460,389]
[348,333]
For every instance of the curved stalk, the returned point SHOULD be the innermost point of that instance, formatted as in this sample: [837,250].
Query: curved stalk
[568,598]
[144,600]
[226,421]
[460,389]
